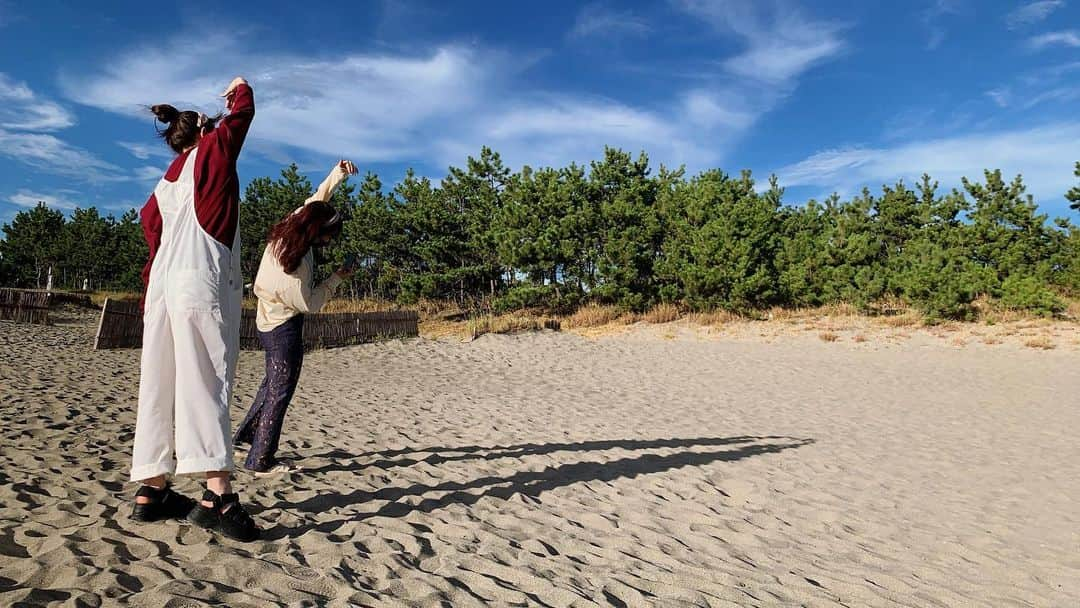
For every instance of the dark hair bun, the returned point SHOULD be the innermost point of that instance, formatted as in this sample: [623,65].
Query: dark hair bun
[165,113]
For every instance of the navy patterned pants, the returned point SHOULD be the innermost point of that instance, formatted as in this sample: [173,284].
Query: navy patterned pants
[284,346]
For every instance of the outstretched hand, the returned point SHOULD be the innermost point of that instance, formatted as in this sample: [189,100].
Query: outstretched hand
[230,91]
[347,167]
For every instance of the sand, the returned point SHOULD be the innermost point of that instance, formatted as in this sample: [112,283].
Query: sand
[551,469]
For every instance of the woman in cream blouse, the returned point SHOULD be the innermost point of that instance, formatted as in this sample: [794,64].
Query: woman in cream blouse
[286,291]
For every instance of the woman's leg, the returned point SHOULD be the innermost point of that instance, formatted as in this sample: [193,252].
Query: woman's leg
[286,342]
[245,433]
[153,454]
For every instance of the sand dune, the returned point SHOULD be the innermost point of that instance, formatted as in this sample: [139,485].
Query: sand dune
[555,470]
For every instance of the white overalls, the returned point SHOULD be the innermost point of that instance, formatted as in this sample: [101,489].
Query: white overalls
[191,340]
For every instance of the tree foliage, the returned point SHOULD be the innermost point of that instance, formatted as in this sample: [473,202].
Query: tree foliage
[617,232]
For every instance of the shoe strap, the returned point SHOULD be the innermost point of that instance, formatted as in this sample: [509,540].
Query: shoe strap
[239,516]
[146,491]
[220,501]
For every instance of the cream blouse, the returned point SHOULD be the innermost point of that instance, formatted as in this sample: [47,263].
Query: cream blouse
[282,295]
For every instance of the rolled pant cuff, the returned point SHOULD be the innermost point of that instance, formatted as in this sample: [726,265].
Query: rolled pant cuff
[149,471]
[203,465]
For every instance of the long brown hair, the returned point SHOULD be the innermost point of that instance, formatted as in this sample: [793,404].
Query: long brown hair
[292,237]
[184,127]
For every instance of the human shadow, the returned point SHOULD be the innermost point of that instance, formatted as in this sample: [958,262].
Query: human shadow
[347,462]
[527,483]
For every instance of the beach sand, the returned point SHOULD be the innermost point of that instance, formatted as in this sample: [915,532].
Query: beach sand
[656,467]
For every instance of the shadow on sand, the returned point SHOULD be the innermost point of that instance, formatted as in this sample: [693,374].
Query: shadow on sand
[527,483]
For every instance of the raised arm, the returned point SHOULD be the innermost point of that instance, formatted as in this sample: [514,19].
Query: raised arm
[240,101]
[343,169]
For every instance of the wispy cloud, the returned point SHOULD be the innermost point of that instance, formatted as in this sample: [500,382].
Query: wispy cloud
[56,200]
[1069,38]
[1032,13]
[934,17]
[1044,156]
[1063,94]
[1002,96]
[781,42]
[144,151]
[52,155]
[27,125]
[148,173]
[560,129]
[21,109]
[1051,73]
[597,19]
[374,107]
[1047,84]
[431,108]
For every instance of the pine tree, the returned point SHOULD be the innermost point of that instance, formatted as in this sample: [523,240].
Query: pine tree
[264,204]
[1074,194]
[32,245]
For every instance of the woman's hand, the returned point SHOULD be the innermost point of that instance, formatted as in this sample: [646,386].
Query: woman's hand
[230,91]
[347,167]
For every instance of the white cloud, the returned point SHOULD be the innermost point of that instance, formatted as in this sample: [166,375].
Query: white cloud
[29,198]
[26,124]
[1069,38]
[1002,96]
[149,174]
[1060,95]
[429,109]
[57,157]
[1044,155]
[1050,74]
[707,110]
[21,109]
[933,18]
[143,151]
[371,107]
[780,42]
[435,107]
[597,19]
[1031,13]
[555,131]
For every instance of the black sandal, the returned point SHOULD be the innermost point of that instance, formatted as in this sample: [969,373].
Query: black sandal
[234,523]
[164,504]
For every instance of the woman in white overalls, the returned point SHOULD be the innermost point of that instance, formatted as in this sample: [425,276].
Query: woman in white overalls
[191,320]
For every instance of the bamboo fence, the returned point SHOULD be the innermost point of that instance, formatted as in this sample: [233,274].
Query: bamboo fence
[121,327]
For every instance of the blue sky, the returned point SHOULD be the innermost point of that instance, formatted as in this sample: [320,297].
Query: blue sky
[830,96]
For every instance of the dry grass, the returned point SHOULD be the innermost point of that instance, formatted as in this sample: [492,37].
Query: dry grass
[662,313]
[1042,342]
[796,315]
[98,297]
[1072,309]
[991,340]
[508,324]
[446,319]
[715,318]
[596,315]
[908,318]
[362,305]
